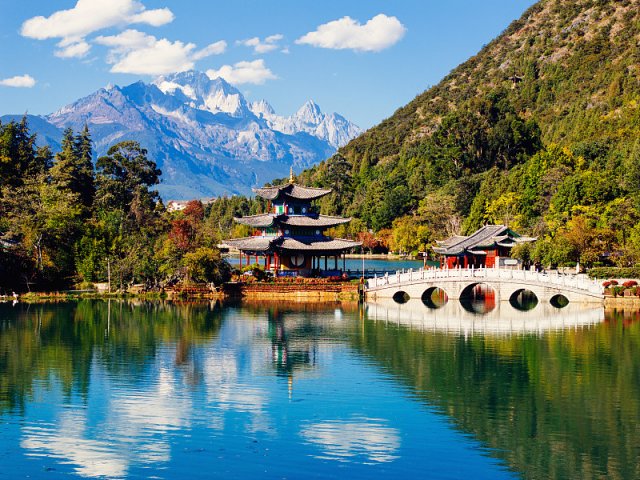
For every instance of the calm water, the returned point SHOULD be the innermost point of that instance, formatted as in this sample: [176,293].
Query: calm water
[95,389]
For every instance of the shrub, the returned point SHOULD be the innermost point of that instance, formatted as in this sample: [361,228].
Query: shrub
[614,272]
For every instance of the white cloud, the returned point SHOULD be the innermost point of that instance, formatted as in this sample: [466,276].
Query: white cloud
[89,16]
[213,49]
[346,33]
[136,52]
[269,44]
[255,72]
[19,81]
[77,50]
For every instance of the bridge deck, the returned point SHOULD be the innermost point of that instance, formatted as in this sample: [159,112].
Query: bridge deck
[574,283]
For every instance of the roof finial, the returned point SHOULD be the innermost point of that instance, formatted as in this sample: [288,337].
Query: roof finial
[291,179]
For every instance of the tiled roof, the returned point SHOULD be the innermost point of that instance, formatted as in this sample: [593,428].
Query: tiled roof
[264,220]
[336,244]
[451,240]
[313,221]
[256,244]
[482,238]
[291,190]
[316,244]
[320,221]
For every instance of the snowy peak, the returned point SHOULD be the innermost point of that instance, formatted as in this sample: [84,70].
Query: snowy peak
[199,91]
[310,113]
[333,129]
[262,108]
[196,90]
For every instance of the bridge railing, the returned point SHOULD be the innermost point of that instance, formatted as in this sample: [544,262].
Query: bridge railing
[556,279]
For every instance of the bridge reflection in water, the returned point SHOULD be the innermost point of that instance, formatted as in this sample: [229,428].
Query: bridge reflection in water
[497,317]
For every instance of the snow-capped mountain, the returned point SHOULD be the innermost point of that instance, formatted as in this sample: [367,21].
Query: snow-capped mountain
[204,135]
[333,129]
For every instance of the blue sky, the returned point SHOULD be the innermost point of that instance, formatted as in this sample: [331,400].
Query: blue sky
[363,59]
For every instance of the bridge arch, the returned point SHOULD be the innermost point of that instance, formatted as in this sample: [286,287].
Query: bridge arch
[478,297]
[401,297]
[523,299]
[435,297]
[559,301]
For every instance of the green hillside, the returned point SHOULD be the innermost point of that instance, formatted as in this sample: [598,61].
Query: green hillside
[538,130]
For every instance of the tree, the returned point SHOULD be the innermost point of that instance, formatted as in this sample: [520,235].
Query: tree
[206,265]
[85,172]
[124,176]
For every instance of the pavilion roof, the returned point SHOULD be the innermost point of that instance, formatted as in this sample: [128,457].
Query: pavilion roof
[325,245]
[312,221]
[264,220]
[291,190]
[485,237]
[310,244]
[254,244]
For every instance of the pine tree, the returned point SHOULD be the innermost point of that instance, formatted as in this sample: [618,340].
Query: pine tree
[85,182]
[64,171]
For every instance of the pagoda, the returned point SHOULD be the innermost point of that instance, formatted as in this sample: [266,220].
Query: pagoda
[290,238]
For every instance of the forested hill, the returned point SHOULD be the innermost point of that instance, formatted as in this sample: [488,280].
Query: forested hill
[538,130]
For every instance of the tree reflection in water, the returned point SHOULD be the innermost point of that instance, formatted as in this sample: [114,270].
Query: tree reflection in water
[560,400]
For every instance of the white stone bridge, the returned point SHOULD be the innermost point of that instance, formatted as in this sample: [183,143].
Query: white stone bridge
[507,284]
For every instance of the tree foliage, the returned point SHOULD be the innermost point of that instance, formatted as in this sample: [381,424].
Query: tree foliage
[63,223]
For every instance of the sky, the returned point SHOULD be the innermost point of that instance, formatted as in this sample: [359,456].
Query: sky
[362,59]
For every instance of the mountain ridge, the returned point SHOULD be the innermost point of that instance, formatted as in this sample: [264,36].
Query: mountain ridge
[572,69]
[201,132]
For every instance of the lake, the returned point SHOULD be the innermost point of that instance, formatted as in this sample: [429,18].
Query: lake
[114,389]
[355,264]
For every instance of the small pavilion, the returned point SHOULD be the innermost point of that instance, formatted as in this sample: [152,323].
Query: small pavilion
[290,239]
[490,246]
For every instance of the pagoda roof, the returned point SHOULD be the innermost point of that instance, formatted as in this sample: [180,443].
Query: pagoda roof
[326,244]
[291,190]
[313,221]
[311,244]
[485,237]
[264,220]
[254,244]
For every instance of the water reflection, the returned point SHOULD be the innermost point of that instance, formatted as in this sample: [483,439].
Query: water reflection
[285,390]
[555,393]
[342,440]
[501,318]
[68,442]
[523,300]
[435,297]
[478,298]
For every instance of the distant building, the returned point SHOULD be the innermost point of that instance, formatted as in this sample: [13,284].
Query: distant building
[488,247]
[176,205]
[290,239]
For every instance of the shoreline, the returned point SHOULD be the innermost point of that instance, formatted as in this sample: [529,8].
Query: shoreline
[251,291]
